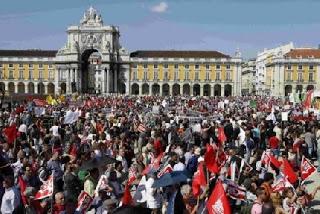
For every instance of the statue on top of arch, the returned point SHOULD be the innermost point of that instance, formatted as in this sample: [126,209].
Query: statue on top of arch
[91,17]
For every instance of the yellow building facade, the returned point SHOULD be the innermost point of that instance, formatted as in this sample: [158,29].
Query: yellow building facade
[295,72]
[27,71]
[204,73]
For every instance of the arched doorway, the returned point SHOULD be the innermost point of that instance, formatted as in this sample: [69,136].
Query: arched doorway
[227,90]
[145,89]
[51,88]
[155,89]
[217,90]
[310,87]
[11,87]
[135,89]
[90,59]
[175,89]
[287,90]
[299,88]
[63,88]
[21,89]
[41,88]
[2,87]
[186,89]
[196,90]
[31,88]
[122,88]
[165,89]
[207,90]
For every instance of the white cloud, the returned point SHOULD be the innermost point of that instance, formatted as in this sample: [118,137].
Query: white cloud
[160,8]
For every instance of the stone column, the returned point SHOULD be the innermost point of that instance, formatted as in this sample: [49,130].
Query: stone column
[68,81]
[181,89]
[115,81]
[26,88]
[212,90]
[222,90]
[140,89]
[6,86]
[46,88]
[35,87]
[201,90]
[170,89]
[57,80]
[161,91]
[76,77]
[15,87]
[150,89]
[108,81]
[191,90]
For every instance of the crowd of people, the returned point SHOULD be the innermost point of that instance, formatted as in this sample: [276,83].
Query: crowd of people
[155,154]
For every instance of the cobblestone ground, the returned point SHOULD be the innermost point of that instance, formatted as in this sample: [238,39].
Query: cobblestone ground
[313,182]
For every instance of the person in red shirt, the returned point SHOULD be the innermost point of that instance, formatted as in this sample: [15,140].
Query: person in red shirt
[274,145]
[58,207]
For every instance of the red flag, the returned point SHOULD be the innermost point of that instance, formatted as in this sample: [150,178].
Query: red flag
[23,185]
[221,136]
[234,190]
[199,179]
[218,202]
[46,189]
[210,160]
[127,198]
[11,133]
[165,170]
[275,161]
[84,202]
[308,100]
[280,184]
[306,168]
[155,164]
[40,103]
[288,172]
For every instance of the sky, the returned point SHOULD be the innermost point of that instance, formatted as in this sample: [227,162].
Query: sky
[221,25]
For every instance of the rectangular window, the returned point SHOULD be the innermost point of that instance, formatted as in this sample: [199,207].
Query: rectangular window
[311,77]
[300,67]
[218,67]
[134,75]
[0,65]
[289,75]
[51,75]
[134,66]
[196,66]
[228,67]
[10,65]
[310,67]
[20,74]
[40,74]
[196,76]
[145,65]
[155,66]
[30,65]
[228,77]
[300,79]
[20,65]
[289,67]
[145,75]
[155,75]
[176,75]
[187,75]
[218,76]
[40,65]
[11,74]
[186,66]
[165,66]
[30,75]
[166,75]
[207,75]
[207,67]
[176,66]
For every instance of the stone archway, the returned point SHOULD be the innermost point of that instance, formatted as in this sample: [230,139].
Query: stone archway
[207,90]
[51,88]
[165,89]
[196,90]
[135,89]
[63,88]
[11,88]
[145,89]
[175,89]
[21,88]
[287,90]
[155,89]
[122,88]
[310,87]
[217,90]
[186,89]
[2,87]
[30,88]
[41,89]
[227,90]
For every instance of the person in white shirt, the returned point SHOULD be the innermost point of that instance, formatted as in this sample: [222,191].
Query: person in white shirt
[55,129]
[152,195]
[11,197]
[180,166]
